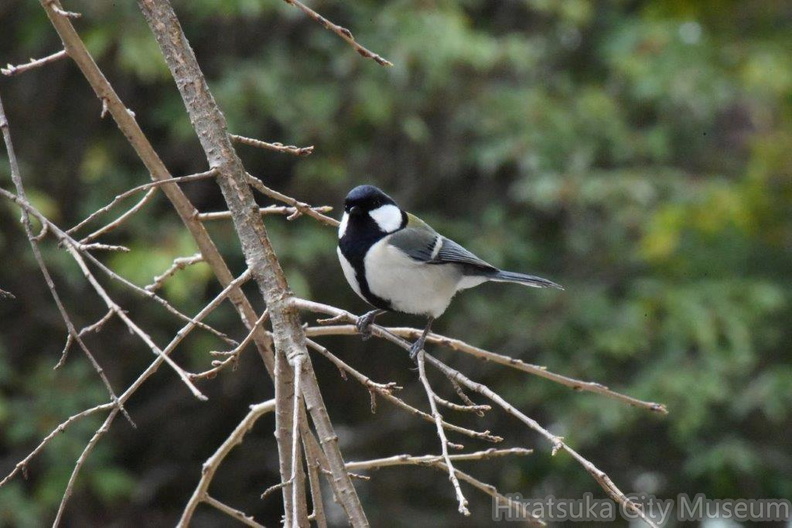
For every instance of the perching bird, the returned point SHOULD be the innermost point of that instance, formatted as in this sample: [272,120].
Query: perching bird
[396,262]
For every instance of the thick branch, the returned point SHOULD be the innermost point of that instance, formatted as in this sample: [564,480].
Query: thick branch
[212,130]
[76,50]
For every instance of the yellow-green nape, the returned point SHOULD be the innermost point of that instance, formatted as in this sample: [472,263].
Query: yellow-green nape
[415,222]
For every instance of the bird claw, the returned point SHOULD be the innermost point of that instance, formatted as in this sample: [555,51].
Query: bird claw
[363,324]
[364,328]
[414,350]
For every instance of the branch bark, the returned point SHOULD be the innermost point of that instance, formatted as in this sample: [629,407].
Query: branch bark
[289,337]
[124,118]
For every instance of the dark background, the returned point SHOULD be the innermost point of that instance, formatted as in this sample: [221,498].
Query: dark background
[636,152]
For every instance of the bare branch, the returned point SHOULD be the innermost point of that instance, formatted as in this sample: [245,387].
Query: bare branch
[386,391]
[212,132]
[85,330]
[557,442]
[6,294]
[102,247]
[232,512]
[302,207]
[127,194]
[313,460]
[34,63]
[16,177]
[578,385]
[298,489]
[178,264]
[455,344]
[437,463]
[73,248]
[427,460]
[493,492]
[55,6]
[232,356]
[477,409]
[21,465]
[121,219]
[461,500]
[213,462]
[126,123]
[272,209]
[342,32]
[278,147]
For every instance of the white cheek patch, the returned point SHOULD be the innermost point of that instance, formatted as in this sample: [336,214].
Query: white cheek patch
[388,217]
[343,226]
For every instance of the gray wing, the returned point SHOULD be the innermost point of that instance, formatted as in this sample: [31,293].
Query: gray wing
[425,245]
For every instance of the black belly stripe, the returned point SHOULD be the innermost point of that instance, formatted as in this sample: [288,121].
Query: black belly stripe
[355,253]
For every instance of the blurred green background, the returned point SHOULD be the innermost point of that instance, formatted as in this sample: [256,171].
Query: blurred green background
[637,152]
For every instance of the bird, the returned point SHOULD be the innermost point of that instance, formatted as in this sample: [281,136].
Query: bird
[396,262]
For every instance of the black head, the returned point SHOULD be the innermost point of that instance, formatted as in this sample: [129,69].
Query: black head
[364,199]
[369,214]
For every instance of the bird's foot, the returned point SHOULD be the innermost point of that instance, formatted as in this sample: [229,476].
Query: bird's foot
[414,349]
[364,322]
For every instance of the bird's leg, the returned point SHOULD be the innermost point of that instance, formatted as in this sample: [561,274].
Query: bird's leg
[364,321]
[418,345]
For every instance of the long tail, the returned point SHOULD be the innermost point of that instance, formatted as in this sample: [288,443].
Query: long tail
[521,278]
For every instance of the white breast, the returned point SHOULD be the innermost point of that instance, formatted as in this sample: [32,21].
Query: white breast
[411,287]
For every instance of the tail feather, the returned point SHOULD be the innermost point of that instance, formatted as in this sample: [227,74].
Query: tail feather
[521,278]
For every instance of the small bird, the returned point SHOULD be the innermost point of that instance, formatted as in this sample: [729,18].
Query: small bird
[396,262]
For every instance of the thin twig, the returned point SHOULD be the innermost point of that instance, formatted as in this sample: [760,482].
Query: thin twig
[313,462]
[54,5]
[575,384]
[145,187]
[301,207]
[557,442]
[213,462]
[272,209]
[102,247]
[6,294]
[151,369]
[132,325]
[80,462]
[34,63]
[295,438]
[125,120]
[179,263]
[427,460]
[232,356]
[275,487]
[123,218]
[22,464]
[342,32]
[94,327]
[149,294]
[232,512]
[437,463]
[477,409]
[455,344]
[461,500]
[386,390]
[278,147]
[16,177]
[493,492]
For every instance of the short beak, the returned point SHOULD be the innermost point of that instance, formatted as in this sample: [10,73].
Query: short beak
[355,210]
